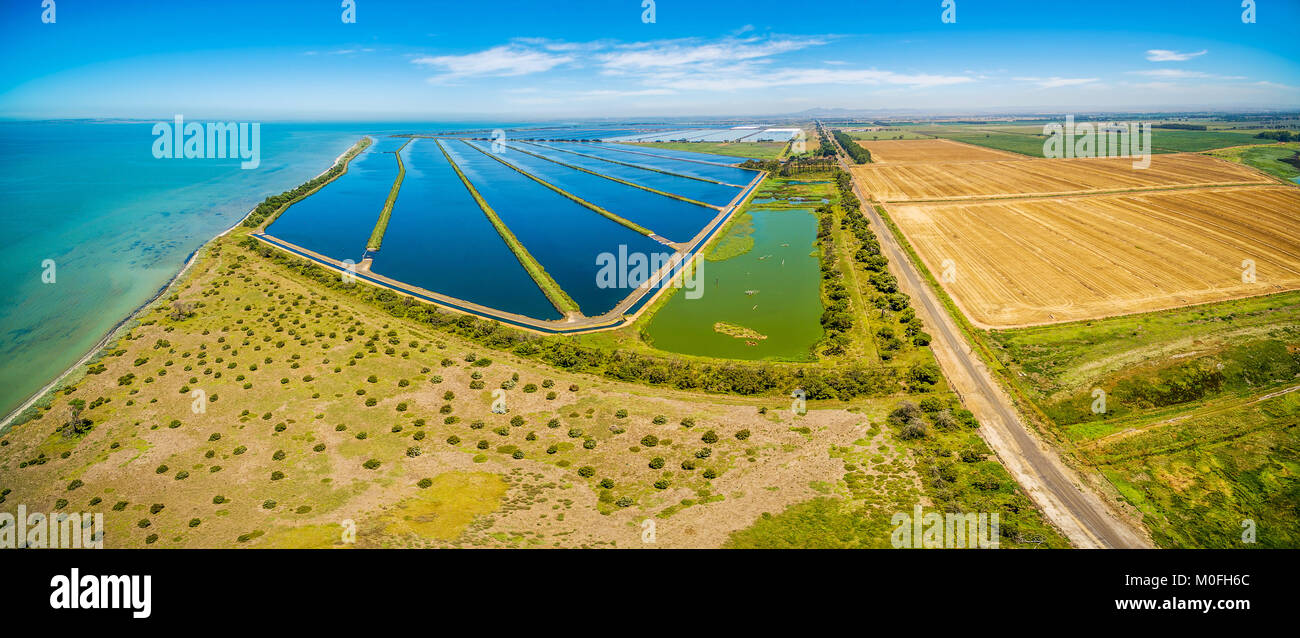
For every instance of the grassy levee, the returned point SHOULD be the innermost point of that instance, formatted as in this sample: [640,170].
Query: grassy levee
[381,226]
[615,179]
[273,206]
[578,200]
[562,301]
[631,165]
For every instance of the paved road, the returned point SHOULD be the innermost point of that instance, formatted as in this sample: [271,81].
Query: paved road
[1084,518]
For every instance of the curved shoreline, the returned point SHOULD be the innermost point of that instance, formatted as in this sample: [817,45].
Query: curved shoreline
[112,334]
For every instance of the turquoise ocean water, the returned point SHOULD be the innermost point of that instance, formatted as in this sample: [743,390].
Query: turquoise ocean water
[119,223]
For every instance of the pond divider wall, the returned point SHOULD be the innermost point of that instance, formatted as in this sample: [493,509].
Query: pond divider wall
[381,226]
[562,301]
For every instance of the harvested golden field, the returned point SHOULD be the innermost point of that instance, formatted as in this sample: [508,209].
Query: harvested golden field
[1035,261]
[935,150]
[980,180]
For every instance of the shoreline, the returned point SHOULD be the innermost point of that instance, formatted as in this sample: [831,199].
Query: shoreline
[112,334]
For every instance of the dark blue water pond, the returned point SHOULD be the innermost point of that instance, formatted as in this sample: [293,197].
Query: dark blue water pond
[706,192]
[337,220]
[439,239]
[728,174]
[671,218]
[564,236]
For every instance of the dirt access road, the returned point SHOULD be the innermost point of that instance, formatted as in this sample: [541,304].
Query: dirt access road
[1080,513]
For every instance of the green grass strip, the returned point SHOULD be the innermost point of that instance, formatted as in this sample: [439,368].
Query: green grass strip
[601,211]
[615,179]
[562,301]
[630,165]
[381,226]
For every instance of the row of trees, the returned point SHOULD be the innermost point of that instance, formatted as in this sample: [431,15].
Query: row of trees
[562,352]
[1281,136]
[859,154]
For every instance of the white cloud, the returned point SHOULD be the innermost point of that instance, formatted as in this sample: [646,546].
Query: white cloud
[1165,55]
[1057,82]
[661,67]
[1181,74]
[500,61]
[679,53]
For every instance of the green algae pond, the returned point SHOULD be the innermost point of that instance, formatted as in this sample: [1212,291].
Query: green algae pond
[760,301]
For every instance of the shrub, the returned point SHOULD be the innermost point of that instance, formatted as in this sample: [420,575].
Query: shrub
[320,447]
[371,464]
[742,435]
[625,501]
[194,522]
[516,420]
[589,444]
[277,475]
[710,473]
[710,437]
[656,463]
[586,471]
[156,507]
[162,469]
[620,414]
[607,483]
[659,419]
[453,440]
[268,504]
[424,483]
[218,499]
[662,484]
[649,440]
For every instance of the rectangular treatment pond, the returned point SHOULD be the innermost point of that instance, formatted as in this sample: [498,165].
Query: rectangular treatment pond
[439,239]
[706,192]
[672,153]
[337,220]
[566,238]
[763,304]
[674,219]
[726,174]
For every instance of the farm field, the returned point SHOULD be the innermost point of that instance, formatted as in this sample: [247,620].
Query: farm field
[1021,262]
[1019,178]
[1027,139]
[1266,157]
[930,150]
[1199,427]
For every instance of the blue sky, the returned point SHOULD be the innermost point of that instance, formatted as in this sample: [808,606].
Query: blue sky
[537,59]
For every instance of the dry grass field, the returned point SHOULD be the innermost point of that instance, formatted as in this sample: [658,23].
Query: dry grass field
[1035,177]
[1035,261]
[935,150]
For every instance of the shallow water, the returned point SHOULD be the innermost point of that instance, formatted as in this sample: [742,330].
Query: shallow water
[118,223]
[785,304]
